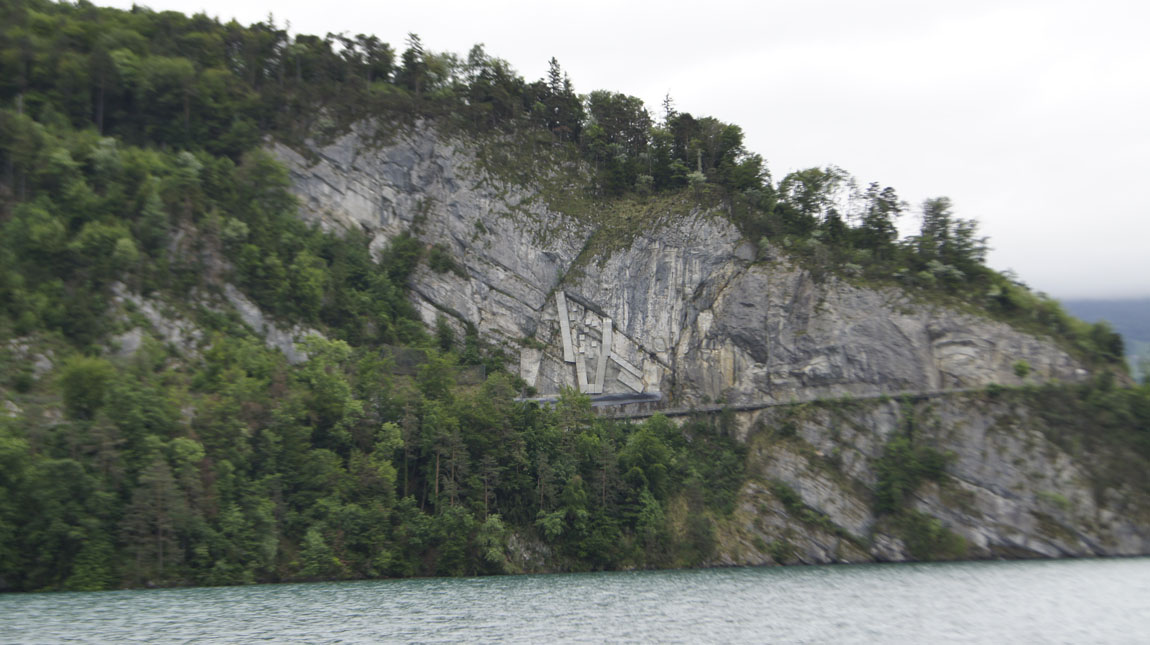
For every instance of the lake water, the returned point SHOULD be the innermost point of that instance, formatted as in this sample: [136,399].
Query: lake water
[1071,601]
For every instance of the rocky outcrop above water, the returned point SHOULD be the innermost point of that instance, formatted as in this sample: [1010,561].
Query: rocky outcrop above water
[687,309]
[692,311]
[1011,488]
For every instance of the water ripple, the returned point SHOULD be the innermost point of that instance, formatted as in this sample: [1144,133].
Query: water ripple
[1097,601]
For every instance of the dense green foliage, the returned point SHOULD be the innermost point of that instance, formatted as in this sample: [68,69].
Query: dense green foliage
[133,182]
[220,463]
[237,467]
[133,190]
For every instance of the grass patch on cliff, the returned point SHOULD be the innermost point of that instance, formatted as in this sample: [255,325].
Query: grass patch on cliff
[522,157]
[926,537]
[619,222]
[555,177]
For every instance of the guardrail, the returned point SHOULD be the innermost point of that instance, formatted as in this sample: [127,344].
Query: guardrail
[641,406]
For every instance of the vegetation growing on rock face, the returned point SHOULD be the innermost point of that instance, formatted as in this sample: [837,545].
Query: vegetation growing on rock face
[906,464]
[134,192]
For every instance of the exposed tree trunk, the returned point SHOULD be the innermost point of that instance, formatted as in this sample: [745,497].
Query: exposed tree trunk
[603,497]
[406,453]
[436,497]
[451,497]
[100,108]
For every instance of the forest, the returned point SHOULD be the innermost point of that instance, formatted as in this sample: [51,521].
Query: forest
[133,162]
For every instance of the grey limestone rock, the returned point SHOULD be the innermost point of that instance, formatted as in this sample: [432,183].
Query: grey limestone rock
[169,328]
[282,339]
[692,310]
[1008,490]
[700,315]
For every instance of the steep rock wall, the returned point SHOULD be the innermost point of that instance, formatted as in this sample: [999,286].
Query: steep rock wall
[514,250]
[692,315]
[685,308]
[1009,490]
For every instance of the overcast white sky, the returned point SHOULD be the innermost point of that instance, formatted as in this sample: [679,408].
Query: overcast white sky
[1032,116]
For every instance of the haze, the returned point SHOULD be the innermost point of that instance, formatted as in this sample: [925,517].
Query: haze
[1030,116]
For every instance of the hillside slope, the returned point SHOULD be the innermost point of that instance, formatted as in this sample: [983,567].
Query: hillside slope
[697,314]
[274,307]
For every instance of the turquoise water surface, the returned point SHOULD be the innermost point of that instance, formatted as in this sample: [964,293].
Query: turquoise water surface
[1068,601]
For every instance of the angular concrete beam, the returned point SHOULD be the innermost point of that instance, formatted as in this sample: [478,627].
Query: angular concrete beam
[581,373]
[651,375]
[630,381]
[604,350]
[622,362]
[530,360]
[565,327]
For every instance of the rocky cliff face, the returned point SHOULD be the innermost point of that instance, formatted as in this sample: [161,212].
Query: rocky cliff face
[684,309]
[689,310]
[1011,489]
